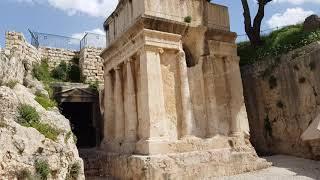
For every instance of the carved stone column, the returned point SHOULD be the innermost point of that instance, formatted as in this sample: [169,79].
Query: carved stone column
[152,125]
[211,104]
[235,90]
[108,108]
[118,103]
[130,105]
[187,123]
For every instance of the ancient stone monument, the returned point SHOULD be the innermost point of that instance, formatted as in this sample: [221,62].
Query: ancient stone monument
[173,98]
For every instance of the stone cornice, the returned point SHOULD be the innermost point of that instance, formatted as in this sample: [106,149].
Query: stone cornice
[146,39]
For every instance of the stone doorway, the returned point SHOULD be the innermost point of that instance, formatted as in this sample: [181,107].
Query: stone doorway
[80,105]
[82,122]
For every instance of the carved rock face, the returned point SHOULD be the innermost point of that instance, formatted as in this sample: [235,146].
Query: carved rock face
[311,23]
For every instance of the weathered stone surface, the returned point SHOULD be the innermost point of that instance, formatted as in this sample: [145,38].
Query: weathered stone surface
[91,64]
[186,165]
[20,146]
[192,121]
[282,99]
[57,55]
[311,23]
[15,42]
[12,68]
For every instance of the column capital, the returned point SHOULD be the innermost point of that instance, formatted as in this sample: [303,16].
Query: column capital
[129,60]
[117,68]
[181,54]
[153,48]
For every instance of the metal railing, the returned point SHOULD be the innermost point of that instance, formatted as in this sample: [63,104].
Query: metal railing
[57,41]
[93,40]
[54,41]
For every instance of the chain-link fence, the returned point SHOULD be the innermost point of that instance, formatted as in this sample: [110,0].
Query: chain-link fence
[93,40]
[56,41]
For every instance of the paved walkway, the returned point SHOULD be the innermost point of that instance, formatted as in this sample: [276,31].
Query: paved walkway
[284,168]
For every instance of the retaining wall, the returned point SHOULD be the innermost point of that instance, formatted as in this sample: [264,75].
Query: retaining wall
[91,64]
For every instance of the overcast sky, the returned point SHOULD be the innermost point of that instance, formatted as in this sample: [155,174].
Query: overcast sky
[74,17]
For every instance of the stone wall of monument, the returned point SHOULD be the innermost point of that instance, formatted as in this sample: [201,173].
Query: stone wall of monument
[283,99]
[29,53]
[57,55]
[91,64]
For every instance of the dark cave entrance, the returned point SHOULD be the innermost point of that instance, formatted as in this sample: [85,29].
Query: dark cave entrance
[81,106]
[81,116]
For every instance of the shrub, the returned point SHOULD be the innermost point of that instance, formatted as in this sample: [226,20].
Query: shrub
[24,174]
[67,72]
[42,169]
[73,171]
[74,73]
[68,135]
[45,102]
[29,117]
[276,43]
[47,130]
[75,60]
[188,19]
[94,86]
[61,71]
[41,71]
[48,89]
[12,83]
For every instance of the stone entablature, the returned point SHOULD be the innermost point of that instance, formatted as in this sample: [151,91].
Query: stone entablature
[200,12]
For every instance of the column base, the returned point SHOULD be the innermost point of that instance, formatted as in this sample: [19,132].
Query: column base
[236,134]
[119,147]
[153,146]
[190,165]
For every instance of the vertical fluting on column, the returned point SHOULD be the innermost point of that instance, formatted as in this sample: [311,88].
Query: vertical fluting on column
[108,108]
[118,103]
[211,105]
[130,105]
[187,123]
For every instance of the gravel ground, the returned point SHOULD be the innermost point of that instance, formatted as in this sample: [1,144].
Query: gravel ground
[284,168]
